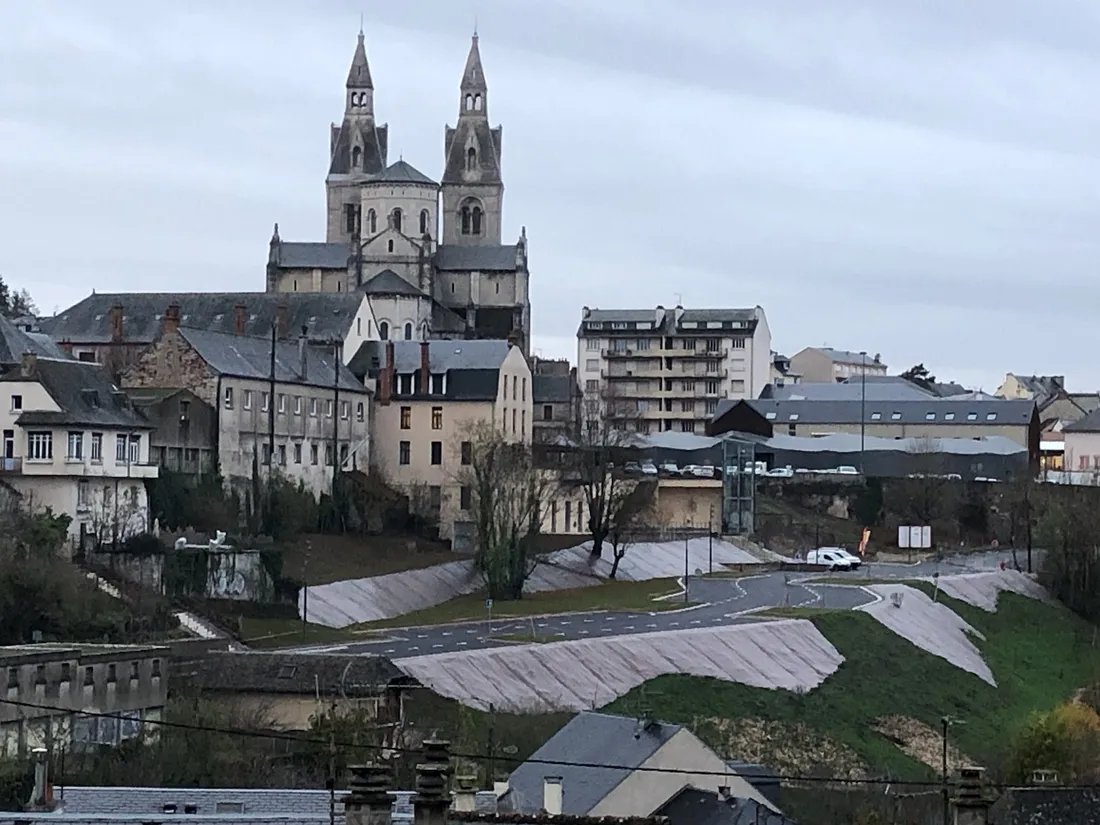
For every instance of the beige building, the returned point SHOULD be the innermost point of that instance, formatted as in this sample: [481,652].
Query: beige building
[678,502]
[127,681]
[1081,441]
[443,238]
[782,373]
[667,369]
[825,364]
[431,397]
[317,413]
[73,443]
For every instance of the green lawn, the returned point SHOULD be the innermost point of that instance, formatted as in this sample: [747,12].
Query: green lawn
[1038,653]
[272,633]
[609,596]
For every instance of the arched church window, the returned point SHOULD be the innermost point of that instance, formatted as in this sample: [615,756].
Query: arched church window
[384,330]
[372,220]
[477,103]
[424,219]
[475,221]
[354,99]
[408,332]
[465,220]
[471,159]
[356,157]
[469,102]
[395,219]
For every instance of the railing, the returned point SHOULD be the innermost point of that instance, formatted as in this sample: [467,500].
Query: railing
[11,465]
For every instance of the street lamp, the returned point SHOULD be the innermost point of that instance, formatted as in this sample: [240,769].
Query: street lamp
[862,410]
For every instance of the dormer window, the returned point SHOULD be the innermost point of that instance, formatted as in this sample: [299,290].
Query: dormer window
[471,159]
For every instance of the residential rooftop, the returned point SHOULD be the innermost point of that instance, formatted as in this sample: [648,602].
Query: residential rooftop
[660,320]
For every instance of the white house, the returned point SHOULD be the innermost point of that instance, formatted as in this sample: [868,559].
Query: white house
[72,442]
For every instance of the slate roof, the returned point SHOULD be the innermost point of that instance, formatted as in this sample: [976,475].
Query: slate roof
[451,258]
[552,389]
[359,73]
[372,138]
[947,411]
[84,392]
[246,356]
[592,739]
[1042,385]
[663,320]
[472,367]
[846,356]
[14,342]
[692,806]
[149,802]
[388,282]
[897,389]
[299,674]
[327,314]
[402,172]
[1047,806]
[311,255]
[1088,424]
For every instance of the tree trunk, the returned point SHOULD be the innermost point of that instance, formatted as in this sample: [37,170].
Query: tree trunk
[598,537]
[616,558]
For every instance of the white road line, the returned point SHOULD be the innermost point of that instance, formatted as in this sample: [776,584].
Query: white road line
[415,647]
[589,621]
[652,624]
[472,630]
[446,633]
[463,644]
[422,635]
[629,627]
[582,632]
[390,650]
[673,624]
[435,647]
[609,618]
[564,622]
[695,621]
[542,624]
[605,630]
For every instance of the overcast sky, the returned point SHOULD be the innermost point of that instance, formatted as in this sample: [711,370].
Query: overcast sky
[917,178]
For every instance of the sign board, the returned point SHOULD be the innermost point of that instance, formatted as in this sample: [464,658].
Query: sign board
[489,603]
[915,537]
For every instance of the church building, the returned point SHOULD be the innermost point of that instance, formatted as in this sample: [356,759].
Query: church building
[427,254]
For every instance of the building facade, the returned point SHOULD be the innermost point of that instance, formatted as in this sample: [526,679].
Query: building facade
[73,443]
[312,415]
[667,369]
[52,682]
[557,400]
[432,397]
[441,238]
[825,364]
[185,434]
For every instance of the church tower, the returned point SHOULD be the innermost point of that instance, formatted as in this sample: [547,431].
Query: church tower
[358,150]
[473,191]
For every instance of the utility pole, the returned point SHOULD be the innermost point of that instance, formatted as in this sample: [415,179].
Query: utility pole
[271,402]
[862,411]
[687,568]
[335,414]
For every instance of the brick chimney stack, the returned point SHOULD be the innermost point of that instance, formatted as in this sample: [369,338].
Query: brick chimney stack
[240,316]
[432,798]
[171,321]
[465,793]
[280,319]
[973,801]
[28,366]
[425,368]
[303,352]
[368,801]
[385,379]
[116,324]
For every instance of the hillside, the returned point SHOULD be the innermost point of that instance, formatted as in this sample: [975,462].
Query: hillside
[1038,653]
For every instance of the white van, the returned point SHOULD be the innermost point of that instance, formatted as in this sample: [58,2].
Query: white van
[832,557]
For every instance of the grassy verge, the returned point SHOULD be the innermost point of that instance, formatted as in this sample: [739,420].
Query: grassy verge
[795,612]
[1038,653]
[273,633]
[609,596]
[321,559]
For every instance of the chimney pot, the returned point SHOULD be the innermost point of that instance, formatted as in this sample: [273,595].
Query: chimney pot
[432,798]
[552,796]
[466,793]
[368,801]
[116,323]
[303,353]
[171,321]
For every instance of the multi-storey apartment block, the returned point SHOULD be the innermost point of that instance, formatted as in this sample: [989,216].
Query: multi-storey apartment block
[652,370]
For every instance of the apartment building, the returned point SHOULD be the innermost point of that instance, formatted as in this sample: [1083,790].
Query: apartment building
[73,443]
[782,373]
[431,397]
[827,365]
[557,400]
[298,395]
[48,684]
[666,369]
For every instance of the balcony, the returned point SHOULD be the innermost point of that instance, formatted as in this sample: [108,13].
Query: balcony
[11,466]
[630,353]
[632,375]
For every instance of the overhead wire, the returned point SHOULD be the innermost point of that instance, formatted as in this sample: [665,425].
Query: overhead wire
[594,766]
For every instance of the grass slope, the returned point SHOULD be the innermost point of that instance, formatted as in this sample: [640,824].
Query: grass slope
[1038,653]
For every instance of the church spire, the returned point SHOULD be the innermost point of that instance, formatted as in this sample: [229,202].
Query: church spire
[473,77]
[359,74]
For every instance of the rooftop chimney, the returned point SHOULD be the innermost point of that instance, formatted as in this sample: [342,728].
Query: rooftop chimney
[116,323]
[280,319]
[466,793]
[171,319]
[42,795]
[368,801]
[303,340]
[385,380]
[425,367]
[240,315]
[28,365]
[432,798]
[972,803]
[552,796]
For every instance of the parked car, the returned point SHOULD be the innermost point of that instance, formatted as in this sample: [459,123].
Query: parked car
[649,468]
[853,560]
[632,468]
[828,557]
[669,468]
[847,470]
[780,472]
[699,470]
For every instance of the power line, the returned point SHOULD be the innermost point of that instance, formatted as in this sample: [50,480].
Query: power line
[287,737]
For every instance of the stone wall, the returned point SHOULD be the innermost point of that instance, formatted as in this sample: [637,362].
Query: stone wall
[171,362]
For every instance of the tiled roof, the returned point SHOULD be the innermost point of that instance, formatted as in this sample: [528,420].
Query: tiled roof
[388,282]
[84,392]
[304,674]
[1088,424]
[591,739]
[451,258]
[311,255]
[402,172]
[326,314]
[246,356]
[472,367]
[846,356]
[947,411]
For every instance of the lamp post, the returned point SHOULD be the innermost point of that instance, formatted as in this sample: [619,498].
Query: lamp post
[862,410]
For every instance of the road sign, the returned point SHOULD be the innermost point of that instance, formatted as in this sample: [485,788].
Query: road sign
[489,603]
[914,537]
[926,537]
[903,538]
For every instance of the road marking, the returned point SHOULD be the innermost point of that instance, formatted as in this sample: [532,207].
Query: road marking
[564,622]
[414,647]
[609,618]
[629,627]
[422,636]
[390,650]
[560,634]
[434,647]
[542,624]
[582,632]
[695,621]
[446,633]
[673,624]
[589,621]
[463,644]
[653,624]
[605,630]
[472,630]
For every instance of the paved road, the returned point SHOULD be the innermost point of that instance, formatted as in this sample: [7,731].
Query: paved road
[719,602]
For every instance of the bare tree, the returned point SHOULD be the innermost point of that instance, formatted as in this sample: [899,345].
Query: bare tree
[631,512]
[507,495]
